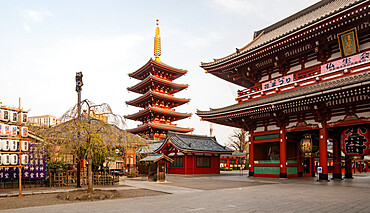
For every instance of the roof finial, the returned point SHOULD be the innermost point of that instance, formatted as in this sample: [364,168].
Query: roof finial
[157,43]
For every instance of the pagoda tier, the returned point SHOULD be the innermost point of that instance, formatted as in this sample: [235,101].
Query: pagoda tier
[155,83]
[159,115]
[157,99]
[157,130]
[158,69]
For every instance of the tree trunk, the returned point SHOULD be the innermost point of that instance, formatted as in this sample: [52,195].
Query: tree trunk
[89,169]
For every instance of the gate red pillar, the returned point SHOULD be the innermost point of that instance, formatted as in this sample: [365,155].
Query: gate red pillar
[251,154]
[323,149]
[348,167]
[337,158]
[283,154]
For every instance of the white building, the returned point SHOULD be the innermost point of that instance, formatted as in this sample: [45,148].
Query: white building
[44,120]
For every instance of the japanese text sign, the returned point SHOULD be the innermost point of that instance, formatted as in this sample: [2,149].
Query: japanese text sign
[277,82]
[355,141]
[345,62]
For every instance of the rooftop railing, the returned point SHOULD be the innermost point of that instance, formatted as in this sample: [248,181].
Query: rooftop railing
[303,78]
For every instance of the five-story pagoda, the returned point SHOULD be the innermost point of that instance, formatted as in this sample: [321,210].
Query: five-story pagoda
[157,97]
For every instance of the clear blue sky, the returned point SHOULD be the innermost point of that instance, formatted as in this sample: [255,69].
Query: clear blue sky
[44,43]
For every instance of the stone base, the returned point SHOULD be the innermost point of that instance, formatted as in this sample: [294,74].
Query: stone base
[337,176]
[348,175]
[283,175]
[323,177]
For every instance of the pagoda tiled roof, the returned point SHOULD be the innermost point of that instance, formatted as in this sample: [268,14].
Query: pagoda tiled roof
[288,26]
[151,125]
[150,94]
[156,110]
[241,109]
[194,143]
[144,71]
[152,78]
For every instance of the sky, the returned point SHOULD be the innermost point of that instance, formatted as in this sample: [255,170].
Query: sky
[44,43]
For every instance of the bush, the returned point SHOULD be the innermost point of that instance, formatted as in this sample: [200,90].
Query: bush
[132,174]
[225,169]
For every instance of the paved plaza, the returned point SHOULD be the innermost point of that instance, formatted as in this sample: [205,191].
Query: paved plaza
[231,192]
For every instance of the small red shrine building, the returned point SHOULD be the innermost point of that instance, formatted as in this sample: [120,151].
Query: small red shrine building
[307,81]
[192,154]
[233,160]
[157,99]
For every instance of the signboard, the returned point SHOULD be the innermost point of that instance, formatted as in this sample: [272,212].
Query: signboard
[348,42]
[278,82]
[355,141]
[34,170]
[345,62]
[319,170]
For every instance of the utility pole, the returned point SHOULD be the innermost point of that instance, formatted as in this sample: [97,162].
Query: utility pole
[79,85]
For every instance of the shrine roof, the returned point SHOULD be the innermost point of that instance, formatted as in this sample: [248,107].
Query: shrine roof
[156,110]
[235,154]
[197,143]
[144,71]
[156,157]
[152,78]
[152,125]
[153,145]
[296,94]
[303,19]
[149,94]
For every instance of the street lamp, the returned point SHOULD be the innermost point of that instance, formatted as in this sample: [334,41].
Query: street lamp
[79,85]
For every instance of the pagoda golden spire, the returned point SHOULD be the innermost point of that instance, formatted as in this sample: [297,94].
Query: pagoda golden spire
[157,43]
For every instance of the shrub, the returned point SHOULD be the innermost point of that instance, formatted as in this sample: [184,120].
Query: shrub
[132,174]
[225,169]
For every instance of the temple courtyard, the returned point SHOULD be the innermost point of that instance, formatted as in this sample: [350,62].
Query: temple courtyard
[229,192]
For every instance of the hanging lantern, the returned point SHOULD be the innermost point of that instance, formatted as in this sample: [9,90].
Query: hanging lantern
[355,141]
[24,131]
[306,145]
[5,130]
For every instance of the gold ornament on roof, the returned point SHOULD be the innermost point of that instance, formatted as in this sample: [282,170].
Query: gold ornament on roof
[157,43]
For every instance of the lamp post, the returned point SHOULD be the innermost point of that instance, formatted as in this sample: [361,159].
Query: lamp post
[79,85]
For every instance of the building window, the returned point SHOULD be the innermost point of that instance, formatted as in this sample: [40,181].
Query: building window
[204,162]
[177,162]
[232,161]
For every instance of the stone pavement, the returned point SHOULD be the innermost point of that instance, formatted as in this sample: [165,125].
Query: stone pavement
[239,194]
[48,190]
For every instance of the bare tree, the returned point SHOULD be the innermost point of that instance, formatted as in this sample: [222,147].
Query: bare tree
[239,141]
[89,131]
